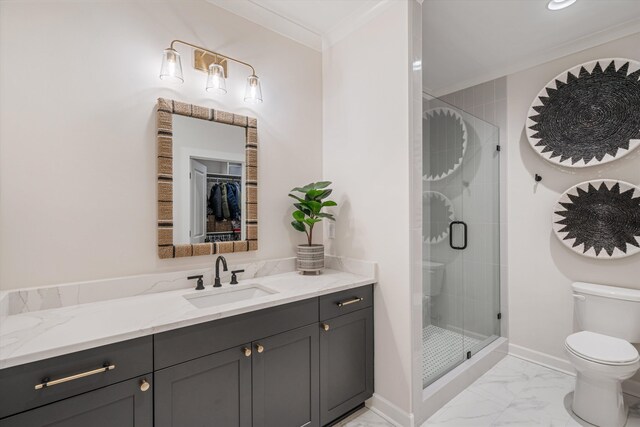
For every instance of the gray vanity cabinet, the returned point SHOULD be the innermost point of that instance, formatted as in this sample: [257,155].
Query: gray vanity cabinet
[285,379]
[124,405]
[213,390]
[346,352]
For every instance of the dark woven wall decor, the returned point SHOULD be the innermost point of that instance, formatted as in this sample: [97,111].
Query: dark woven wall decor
[437,215]
[444,136]
[588,115]
[599,219]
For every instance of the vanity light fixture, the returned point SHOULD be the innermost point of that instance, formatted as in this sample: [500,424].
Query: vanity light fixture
[212,63]
[253,91]
[216,81]
[171,69]
[559,4]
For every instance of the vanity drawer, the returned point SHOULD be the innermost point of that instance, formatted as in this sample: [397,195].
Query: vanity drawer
[346,301]
[181,345]
[73,374]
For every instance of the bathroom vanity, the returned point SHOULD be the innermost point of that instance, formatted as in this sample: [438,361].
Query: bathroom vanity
[300,363]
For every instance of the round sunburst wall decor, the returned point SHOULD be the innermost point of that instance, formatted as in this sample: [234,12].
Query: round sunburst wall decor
[588,115]
[445,136]
[437,215]
[599,219]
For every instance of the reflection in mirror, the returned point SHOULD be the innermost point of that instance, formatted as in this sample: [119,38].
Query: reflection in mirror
[208,181]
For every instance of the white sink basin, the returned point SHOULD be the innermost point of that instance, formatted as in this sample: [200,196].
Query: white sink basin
[205,299]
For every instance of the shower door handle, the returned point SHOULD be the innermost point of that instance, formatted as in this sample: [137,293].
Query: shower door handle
[464,230]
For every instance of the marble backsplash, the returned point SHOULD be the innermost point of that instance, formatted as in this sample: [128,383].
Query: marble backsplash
[56,296]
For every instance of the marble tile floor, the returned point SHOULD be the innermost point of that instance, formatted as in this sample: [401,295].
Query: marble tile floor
[513,393]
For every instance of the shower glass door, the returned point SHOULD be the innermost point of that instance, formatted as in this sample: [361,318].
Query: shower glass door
[461,254]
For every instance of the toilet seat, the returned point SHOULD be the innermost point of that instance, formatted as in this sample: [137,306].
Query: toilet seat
[602,349]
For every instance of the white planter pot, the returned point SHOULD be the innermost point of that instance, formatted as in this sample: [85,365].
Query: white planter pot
[310,259]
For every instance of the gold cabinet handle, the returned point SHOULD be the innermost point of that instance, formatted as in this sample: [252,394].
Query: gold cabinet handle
[47,383]
[348,302]
[246,351]
[260,348]
[144,385]
[324,326]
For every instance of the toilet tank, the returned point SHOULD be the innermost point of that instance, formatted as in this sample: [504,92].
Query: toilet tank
[433,278]
[608,310]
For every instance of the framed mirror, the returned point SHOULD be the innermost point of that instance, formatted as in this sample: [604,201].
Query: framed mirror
[207,181]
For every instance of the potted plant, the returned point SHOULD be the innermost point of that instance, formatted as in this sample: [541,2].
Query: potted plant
[309,204]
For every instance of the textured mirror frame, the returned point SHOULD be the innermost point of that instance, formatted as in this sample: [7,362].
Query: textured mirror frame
[166,249]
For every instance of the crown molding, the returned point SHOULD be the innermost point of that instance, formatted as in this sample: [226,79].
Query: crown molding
[298,31]
[353,21]
[271,20]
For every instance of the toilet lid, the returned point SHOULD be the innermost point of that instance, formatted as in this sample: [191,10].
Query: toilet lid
[601,348]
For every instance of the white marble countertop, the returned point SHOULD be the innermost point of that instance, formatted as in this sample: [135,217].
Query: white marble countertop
[36,335]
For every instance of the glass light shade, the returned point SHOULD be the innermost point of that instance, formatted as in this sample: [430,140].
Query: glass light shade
[253,92]
[559,4]
[215,80]
[171,69]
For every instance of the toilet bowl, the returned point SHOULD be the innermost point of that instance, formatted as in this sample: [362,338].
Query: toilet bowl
[602,363]
[608,318]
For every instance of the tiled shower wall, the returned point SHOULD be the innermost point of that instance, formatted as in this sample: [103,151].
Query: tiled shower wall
[486,101]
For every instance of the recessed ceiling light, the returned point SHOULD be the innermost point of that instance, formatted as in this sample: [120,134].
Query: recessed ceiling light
[559,4]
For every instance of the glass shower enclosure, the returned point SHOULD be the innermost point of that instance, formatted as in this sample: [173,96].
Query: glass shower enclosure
[461,236]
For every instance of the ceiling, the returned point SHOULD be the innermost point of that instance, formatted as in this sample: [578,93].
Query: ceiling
[466,42]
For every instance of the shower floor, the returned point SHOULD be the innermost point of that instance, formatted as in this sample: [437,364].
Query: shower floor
[442,349]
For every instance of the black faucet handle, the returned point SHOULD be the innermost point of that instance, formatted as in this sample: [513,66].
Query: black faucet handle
[234,278]
[200,285]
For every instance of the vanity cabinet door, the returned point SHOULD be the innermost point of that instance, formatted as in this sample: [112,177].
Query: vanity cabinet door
[285,379]
[126,404]
[213,391]
[346,363]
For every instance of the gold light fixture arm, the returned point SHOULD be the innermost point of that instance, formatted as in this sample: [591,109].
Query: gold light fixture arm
[216,54]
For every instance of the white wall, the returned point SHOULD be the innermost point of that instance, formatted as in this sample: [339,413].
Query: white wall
[79,83]
[541,268]
[366,155]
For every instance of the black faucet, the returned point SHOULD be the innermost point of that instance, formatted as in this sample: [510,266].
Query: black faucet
[216,283]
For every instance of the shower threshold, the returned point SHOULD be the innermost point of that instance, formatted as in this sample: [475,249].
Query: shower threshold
[454,381]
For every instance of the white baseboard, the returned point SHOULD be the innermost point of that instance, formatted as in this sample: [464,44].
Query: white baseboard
[562,365]
[389,411]
[539,358]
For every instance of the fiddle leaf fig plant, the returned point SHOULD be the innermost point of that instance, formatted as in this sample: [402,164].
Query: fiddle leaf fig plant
[309,204]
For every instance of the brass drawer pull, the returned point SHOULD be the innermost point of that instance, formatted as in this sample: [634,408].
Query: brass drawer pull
[325,326]
[47,383]
[144,385]
[351,301]
[246,351]
[260,348]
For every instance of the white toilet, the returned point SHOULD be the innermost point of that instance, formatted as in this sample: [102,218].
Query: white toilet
[434,273]
[433,279]
[609,320]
